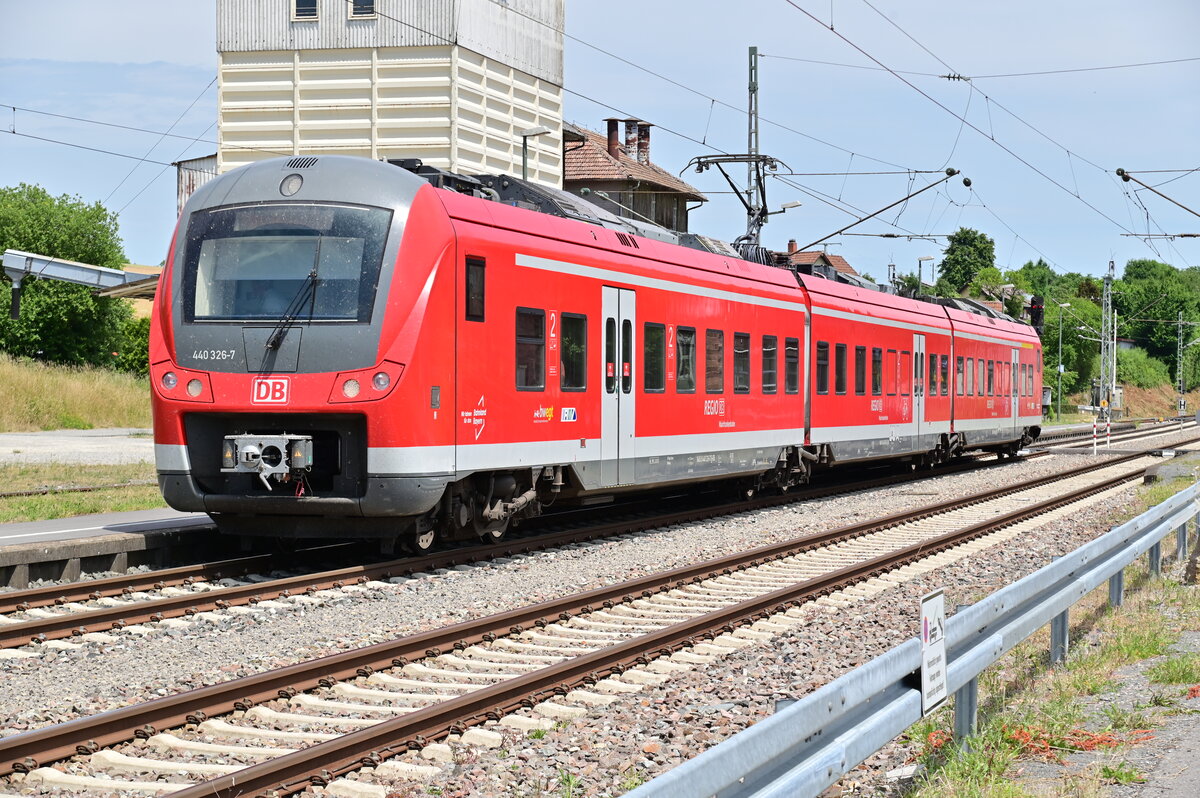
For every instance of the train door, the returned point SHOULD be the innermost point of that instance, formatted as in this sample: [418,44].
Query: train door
[1014,391]
[617,418]
[918,411]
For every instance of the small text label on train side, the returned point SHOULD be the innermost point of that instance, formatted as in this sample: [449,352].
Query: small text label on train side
[270,390]
[214,354]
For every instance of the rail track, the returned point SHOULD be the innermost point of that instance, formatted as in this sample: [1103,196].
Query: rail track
[314,722]
[100,606]
[1122,433]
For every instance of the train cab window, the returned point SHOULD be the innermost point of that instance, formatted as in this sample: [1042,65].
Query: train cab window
[770,363]
[904,373]
[573,353]
[876,371]
[991,378]
[946,374]
[860,371]
[714,361]
[475,271]
[654,358]
[741,362]
[958,376]
[822,367]
[685,360]
[970,376]
[791,365]
[610,356]
[626,356]
[839,370]
[893,371]
[933,375]
[531,349]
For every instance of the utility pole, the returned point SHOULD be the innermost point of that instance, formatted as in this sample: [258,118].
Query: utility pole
[1108,334]
[753,169]
[1179,363]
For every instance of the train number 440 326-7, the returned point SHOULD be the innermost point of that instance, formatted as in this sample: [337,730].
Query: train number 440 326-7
[214,354]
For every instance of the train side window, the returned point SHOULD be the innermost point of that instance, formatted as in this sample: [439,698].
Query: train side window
[839,371]
[958,376]
[946,374]
[893,369]
[714,361]
[860,371]
[770,363]
[685,360]
[626,356]
[531,349]
[970,376]
[991,378]
[610,356]
[933,375]
[654,358]
[573,353]
[980,385]
[475,270]
[1029,378]
[791,365]
[741,362]
[905,372]
[822,367]
[876,371]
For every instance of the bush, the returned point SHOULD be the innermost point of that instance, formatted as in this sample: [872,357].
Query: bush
[1135,367]
[134,352]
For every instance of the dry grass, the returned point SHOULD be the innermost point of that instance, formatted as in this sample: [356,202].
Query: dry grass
[36,396]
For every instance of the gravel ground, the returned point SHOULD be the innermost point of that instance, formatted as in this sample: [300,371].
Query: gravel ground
[115,446]
[637,736]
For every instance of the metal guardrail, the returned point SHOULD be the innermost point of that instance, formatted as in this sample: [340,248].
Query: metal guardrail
[809,745]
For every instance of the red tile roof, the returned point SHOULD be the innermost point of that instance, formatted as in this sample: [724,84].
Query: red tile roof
[837,262]
[591,161]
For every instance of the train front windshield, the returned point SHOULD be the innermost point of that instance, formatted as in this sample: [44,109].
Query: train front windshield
[261,262]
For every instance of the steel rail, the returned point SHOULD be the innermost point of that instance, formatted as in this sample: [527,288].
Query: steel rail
[319,763]
[108,618]
[28,750]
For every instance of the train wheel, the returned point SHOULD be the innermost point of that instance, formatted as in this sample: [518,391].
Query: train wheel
[490,531]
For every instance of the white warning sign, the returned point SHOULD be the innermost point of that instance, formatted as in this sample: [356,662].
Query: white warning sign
[933,652]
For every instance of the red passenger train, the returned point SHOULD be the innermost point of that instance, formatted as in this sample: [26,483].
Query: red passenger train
[350,347]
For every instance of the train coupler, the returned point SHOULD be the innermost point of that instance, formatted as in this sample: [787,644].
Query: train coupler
[278,457]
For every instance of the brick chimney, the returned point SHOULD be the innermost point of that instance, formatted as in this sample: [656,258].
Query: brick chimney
[631,138]
[614,137]
[792,246]
[643,141]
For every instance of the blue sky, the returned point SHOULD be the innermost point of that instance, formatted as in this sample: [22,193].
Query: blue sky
[142,63]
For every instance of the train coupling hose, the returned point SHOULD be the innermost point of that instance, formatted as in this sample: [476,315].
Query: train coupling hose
[503,510]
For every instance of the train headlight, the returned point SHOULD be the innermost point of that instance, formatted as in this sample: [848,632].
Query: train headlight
[381,380]
[169,380]
[290,185]
[350,388]
[194,387]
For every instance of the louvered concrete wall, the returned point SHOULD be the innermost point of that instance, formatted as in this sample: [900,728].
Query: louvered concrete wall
[336,85]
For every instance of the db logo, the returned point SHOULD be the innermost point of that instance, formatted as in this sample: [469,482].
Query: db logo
[270,390]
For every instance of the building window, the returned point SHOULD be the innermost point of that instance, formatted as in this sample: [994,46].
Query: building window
[531,349]
[685,360]
[876,371]
[770,363]
[573,353]
[741,362]
[654,358]
[714,361]
[475,273]
[791,365]
[362,8]
[304,9]
[839,370]
[822,367]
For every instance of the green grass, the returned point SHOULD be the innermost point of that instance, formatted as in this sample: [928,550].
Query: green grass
[26,477]
[1121,773]
[1180,669]
[37,396]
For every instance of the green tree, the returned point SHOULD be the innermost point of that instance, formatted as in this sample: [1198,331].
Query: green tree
[967,253]
[59,321]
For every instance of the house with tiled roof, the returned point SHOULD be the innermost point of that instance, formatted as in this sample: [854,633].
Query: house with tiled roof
[805,261]
[620,177]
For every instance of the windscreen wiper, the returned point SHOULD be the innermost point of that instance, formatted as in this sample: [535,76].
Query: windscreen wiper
[306,293]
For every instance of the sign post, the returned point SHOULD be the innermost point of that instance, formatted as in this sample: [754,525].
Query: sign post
[933,652]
